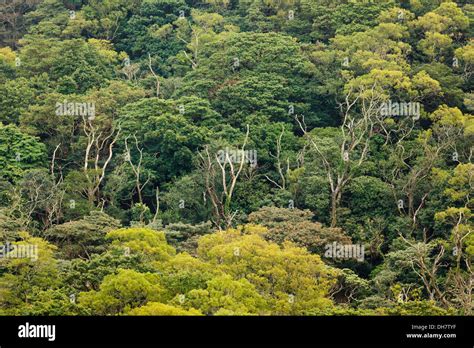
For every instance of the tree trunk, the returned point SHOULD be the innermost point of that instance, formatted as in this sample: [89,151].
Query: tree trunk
[335,198]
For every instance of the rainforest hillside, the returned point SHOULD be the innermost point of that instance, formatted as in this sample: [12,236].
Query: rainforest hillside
[236,157]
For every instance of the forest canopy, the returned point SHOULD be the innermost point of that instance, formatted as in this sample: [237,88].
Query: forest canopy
[236,157]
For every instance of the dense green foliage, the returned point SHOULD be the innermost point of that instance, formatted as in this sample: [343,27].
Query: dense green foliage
[178,157]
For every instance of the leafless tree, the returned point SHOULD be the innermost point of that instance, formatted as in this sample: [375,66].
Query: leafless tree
[98,154]
[425,269]
[136,168]
[227,173]
[279,165]
[356,130]
[130,71]
[157,78]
